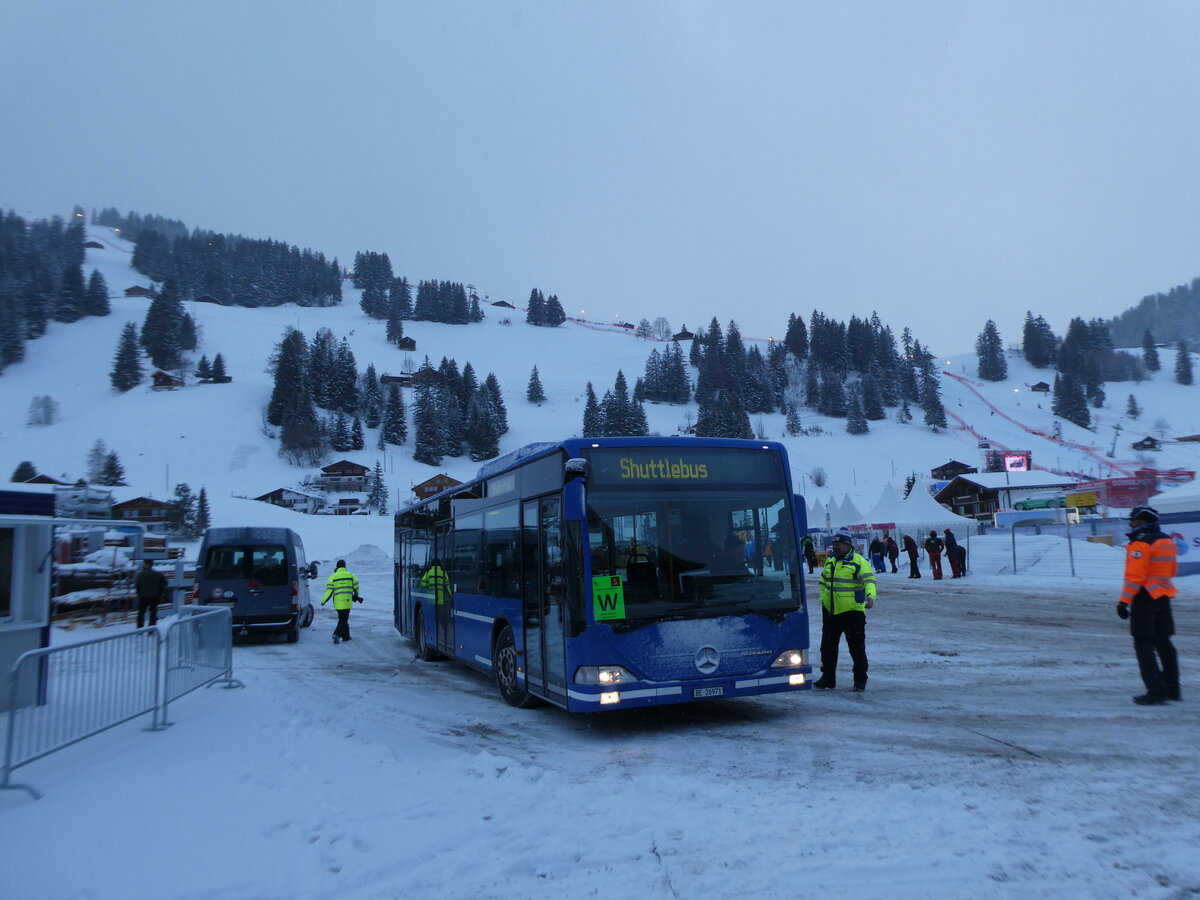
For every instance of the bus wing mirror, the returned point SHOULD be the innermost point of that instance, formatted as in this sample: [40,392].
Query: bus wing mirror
[801,513]
[574,500]
[312,570]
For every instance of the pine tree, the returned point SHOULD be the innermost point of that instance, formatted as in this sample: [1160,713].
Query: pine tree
[872,403]
[370,398]
[535,313]
[492,385]
[856,421]
[483,437]
[427,440]
[593,421]
[127,366]
[96,459]
[1132,410]
[25,471]
[792,424]
[162,335]
[357,438]
[931,396]
[96,301]
[218,374]
[394,428]
[204,369]
[990,352]
[1150,353]
[72,296]
[553,315]
[534,393]
[113,472]
[377,495]
[203,516]
[181,512]
[1183,363]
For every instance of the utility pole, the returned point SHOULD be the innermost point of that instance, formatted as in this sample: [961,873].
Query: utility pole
[1116,432]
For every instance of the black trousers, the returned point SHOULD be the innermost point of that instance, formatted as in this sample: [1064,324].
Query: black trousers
[343,626]
[147,603]
[854,626]
[1151,625]
[913,571]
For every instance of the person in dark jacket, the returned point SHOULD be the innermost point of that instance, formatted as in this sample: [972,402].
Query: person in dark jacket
[952,556]
[877,549]
[809,552]
[910,547]
[150,588]
[893,551]
[934,547]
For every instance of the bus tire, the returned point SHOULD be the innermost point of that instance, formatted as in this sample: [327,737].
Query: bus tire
[424,651]
[504,662]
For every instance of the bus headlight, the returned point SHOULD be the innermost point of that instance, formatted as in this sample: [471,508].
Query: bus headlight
[789,658]
[602,675]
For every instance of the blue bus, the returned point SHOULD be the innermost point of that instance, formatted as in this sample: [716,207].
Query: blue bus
[608,573]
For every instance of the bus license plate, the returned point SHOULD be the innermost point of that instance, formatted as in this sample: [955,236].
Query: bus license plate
[709,691]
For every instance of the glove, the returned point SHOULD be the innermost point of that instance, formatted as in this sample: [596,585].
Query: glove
[1122,609]
[357,599]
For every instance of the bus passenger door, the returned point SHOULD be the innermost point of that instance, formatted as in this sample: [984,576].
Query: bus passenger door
[532,594]
[444,552]
[545,650]
[554,627]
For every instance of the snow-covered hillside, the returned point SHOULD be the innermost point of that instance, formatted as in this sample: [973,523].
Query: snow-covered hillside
[212,436]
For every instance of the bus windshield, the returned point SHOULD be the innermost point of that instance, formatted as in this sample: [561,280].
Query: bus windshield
[691,539]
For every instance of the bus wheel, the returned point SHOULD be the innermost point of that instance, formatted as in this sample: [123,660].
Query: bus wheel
[504,661]
[424,651]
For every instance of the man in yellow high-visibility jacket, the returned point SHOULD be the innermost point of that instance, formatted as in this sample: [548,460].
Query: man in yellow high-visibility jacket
[436,580]
[847,591]
[342,589]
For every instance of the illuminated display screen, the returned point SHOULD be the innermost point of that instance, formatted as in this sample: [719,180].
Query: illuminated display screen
[683,466]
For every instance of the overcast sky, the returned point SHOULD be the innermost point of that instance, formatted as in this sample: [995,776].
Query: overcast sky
[941,163]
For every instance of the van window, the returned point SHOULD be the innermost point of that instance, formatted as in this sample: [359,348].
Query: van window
[264,564]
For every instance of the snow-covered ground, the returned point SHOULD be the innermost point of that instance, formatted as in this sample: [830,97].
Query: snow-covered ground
[995,753]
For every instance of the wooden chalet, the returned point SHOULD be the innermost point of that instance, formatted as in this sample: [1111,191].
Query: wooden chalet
[138,291]
[683,335]
[503,303]
[434,485]
[290,498]
[144,511]
[1041,387]
[93,245]
[208,298]
[42,479]
[344,476]
[164,381]
[951,470]
[404,379]
[1147,443]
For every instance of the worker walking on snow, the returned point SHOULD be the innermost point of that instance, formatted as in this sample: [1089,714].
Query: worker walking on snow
[342,589]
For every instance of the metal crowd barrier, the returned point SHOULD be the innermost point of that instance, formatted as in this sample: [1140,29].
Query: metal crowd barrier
[62,695]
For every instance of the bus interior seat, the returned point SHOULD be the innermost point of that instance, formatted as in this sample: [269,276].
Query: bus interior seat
[641,576]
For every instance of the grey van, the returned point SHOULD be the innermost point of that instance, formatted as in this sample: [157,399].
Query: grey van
[261,574]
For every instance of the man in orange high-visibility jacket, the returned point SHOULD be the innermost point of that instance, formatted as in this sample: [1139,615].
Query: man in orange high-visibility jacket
[1150,564]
